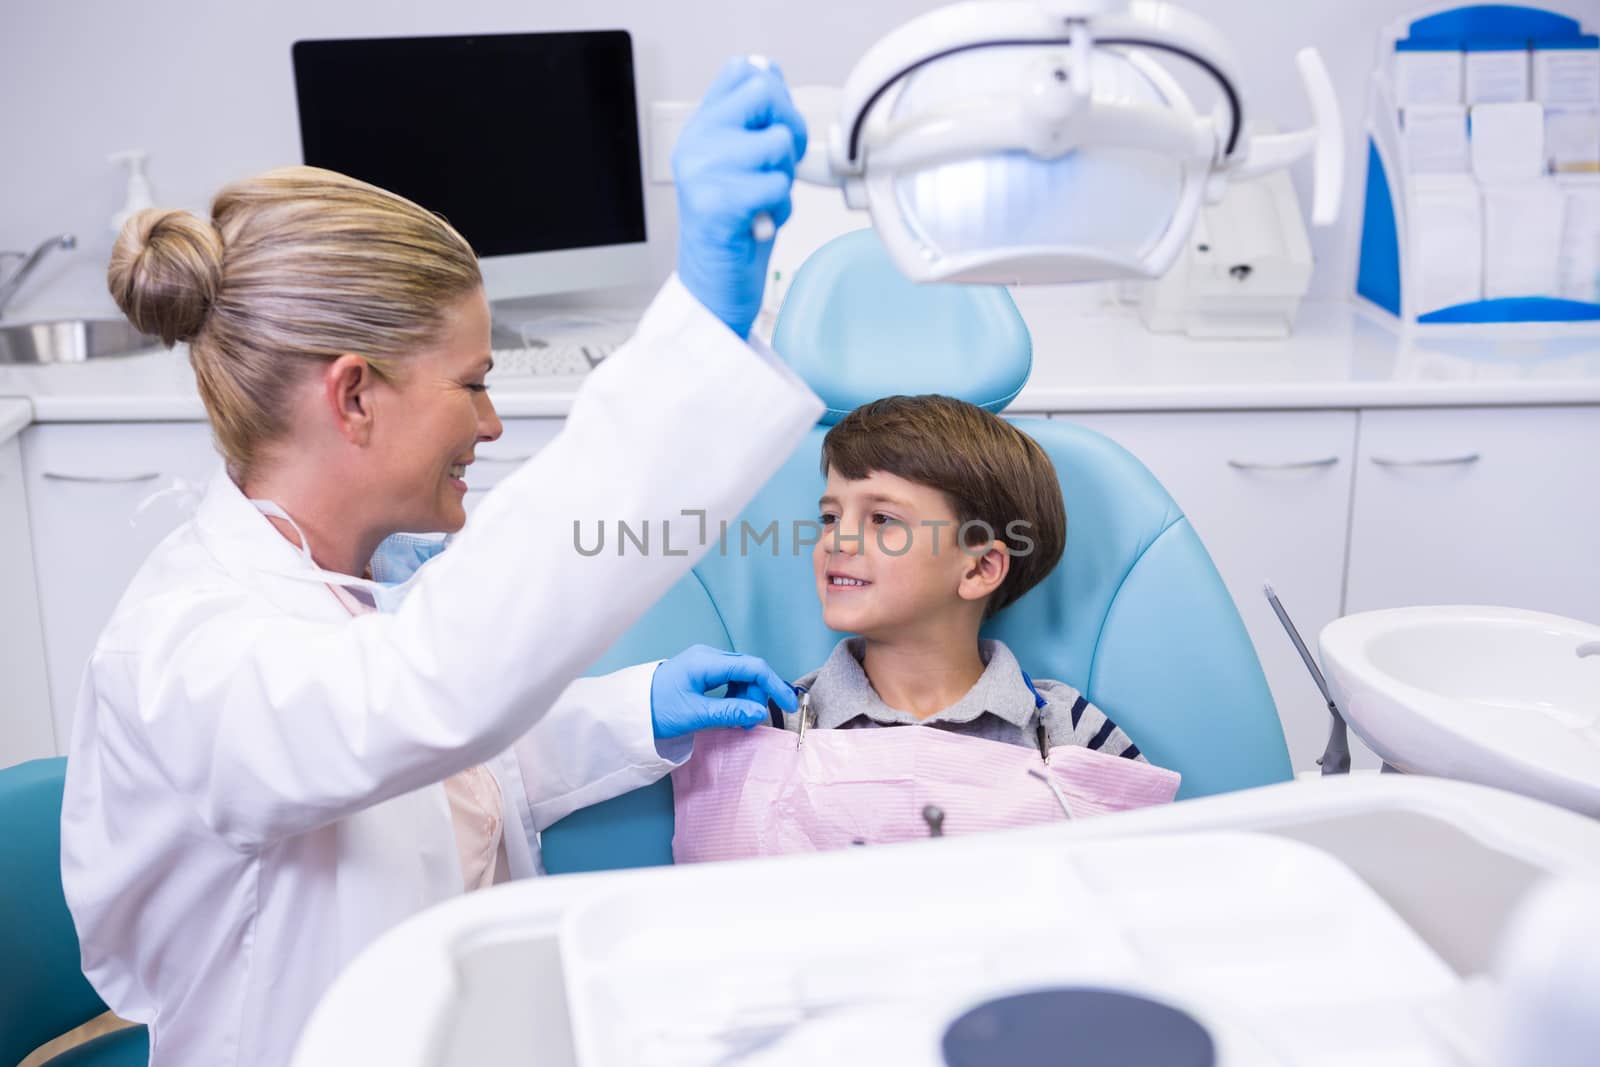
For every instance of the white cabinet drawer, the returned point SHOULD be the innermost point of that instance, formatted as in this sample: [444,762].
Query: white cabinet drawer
[1269,495]
[26,727]
[100,498]
[521,441]
[1478,506]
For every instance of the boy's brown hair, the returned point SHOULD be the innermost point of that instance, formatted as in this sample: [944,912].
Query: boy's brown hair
[990,471]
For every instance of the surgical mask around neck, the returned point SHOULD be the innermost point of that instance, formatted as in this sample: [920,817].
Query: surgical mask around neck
[395,565]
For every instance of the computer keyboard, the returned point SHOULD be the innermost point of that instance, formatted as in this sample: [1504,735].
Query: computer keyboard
[551,360]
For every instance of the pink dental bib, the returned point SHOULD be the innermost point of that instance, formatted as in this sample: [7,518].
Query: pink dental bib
[749,793]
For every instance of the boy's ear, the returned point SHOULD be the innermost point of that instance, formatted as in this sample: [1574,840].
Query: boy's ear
[987,567]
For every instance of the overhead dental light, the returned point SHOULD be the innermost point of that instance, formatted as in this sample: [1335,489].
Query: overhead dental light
[1017,141]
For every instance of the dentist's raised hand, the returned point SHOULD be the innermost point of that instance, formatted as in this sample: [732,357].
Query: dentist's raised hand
[734,162]
[679,691]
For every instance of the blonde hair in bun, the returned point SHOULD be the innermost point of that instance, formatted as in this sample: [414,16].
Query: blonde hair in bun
[165,270]
[296,267]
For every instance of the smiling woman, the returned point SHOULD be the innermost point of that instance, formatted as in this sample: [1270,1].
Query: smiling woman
[296,266]
[275,758]
[310,294]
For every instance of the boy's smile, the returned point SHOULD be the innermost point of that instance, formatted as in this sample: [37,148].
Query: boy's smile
[888,562]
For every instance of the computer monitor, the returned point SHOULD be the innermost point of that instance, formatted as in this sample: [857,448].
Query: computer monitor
[528,143]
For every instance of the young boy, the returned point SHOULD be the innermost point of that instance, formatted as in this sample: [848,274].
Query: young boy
[936,515]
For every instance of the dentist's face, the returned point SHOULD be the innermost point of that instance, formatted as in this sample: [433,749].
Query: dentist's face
[435,414]
[904,572]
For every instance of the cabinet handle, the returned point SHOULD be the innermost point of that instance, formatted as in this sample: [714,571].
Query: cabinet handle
[1446,461]
[1292,465]
[505,459]
[102,479]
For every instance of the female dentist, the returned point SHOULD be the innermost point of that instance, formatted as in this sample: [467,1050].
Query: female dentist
[275,759]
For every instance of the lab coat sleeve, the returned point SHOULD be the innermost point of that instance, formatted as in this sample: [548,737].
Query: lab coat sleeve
[277,725]
[594,744]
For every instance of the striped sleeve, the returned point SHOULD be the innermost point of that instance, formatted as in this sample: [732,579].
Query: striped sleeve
[1070,719]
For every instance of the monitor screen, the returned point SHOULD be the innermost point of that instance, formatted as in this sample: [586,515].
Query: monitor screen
[525,142]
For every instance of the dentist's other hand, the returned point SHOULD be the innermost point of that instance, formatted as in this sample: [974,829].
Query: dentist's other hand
[678,700]
[734,161]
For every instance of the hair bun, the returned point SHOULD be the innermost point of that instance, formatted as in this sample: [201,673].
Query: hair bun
[166,269]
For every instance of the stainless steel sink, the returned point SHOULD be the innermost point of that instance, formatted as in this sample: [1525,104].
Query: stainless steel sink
[71,341]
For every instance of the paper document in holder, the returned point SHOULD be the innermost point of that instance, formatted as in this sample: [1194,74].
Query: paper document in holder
[1567,75]
[1572,140]
[1436,139]
[1580,243]
[1428,77]
[1497,73]
[1507,143]
[1444,241]
[1522,240]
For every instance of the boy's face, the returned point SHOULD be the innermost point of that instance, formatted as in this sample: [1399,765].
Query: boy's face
[906,571]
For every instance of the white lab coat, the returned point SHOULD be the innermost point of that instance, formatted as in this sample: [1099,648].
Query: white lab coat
[253,787]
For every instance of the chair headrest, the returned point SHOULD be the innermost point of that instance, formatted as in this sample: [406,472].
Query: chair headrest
[856,330]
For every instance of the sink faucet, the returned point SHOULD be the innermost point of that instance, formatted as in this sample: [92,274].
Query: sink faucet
[13,282]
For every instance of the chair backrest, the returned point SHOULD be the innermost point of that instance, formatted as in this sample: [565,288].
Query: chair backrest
[1135,616]
[43,992]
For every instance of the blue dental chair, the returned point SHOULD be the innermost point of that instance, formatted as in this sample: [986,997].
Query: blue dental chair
[1135,616]
[43,993]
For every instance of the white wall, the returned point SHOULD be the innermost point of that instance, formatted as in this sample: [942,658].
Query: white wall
[206,87]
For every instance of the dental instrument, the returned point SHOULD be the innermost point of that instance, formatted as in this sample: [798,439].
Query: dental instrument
[1335,758]
[716,131]
[762,229]
[1055,790]
[806,717]
[985,137]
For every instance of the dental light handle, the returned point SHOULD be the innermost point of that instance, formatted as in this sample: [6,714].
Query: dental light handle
[813,166]
[820,106]
[1327,158]
[1323,141]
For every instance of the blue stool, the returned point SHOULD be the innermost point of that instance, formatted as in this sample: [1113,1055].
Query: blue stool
[42,986]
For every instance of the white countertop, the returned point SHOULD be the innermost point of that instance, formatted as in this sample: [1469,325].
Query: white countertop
[14,415]
[1340,356]
[1097,358]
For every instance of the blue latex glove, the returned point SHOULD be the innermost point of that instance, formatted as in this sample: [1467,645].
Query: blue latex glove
[678,700]
[734,160]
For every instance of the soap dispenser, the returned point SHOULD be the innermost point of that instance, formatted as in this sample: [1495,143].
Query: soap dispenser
[140,195]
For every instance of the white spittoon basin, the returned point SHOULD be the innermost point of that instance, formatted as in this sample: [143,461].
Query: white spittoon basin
[1498,696]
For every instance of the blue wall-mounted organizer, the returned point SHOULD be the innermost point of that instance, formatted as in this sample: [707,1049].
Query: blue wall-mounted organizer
[1417,58]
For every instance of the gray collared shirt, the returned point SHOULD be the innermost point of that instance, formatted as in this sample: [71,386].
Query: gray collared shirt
[1000,707]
